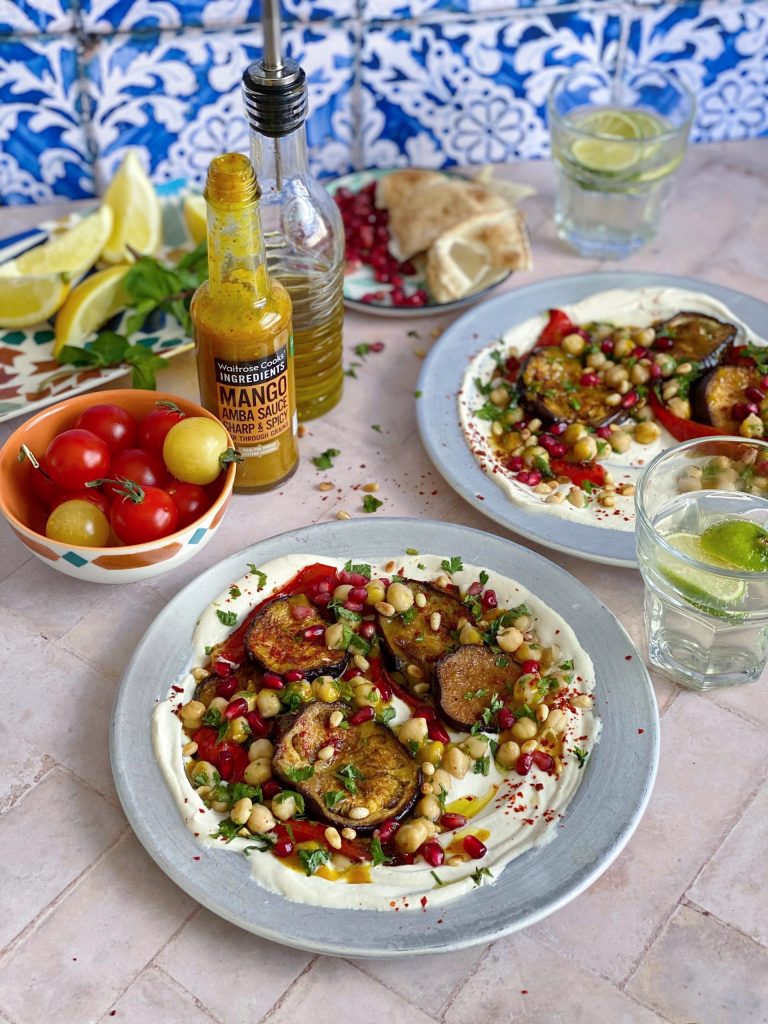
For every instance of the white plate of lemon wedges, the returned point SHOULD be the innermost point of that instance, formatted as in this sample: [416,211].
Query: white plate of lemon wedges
[63,282]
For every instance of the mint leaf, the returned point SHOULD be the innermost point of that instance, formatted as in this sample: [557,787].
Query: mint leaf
[300,774]
[370,504]
[325,459]
[227,618]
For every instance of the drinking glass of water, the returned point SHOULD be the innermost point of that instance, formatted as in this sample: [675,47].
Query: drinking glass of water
[702,546]
[617,137]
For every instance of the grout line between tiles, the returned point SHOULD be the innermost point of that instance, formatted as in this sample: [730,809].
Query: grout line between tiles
[356,964]
[174,983]
[699,909]
[279,1002]
[459,985]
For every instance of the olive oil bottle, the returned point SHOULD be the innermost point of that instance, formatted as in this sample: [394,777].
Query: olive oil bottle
[241,320]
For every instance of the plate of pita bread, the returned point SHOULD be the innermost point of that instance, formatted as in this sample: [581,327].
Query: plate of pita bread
[421,241]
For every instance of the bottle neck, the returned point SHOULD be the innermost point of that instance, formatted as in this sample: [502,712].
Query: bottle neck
[236,251]
[278,160]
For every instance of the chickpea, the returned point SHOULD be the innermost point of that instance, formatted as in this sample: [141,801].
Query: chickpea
[455,762]
[376,591]
[499,397]
[639,374]
[585,449]
[260,819]
[201,773]
[524,729]
[284,806]
[527,691]
[596,359]
[670,390]
[431,753]
[238,730]
[192,715]
[573,344]
[475,746]
[260,748]
[509,639]
[528,652]
[752,426]
[241,811]
[428,807]
[469,635]
[557,720]
[410,837]
[623,347]
[522,622]
[365,696]
[268,703]
[550,656]
[248,696]
[441,781]
[574,432]
[334,637]
[218,704]
[341,593]
[620,441]
[680,407]
[647,433]
[325,689]
[508,753]
[400,597]
[413,731]
[258,771]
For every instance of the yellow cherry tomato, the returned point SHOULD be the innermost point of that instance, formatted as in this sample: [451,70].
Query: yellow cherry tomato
[193,448]
[78,522]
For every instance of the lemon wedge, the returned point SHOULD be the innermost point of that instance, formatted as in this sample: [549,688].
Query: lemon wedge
[475,253]
[25,301]
[72,251]
[196,218]
[137,218]
[90,305]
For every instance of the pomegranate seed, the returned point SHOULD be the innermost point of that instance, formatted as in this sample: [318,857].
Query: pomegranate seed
[451,821]
[515,463]
[606,346]
[754,394]
[353,606]
[314,632]
[531,667]
[548,441]
[764,383]
[222,668]
[663,343]
[639,352]
[474,847]
[421,294]
[363,715]
[376,346]
[475,589]
[384,690]
[506,718]
[512,366]
[227,687]
[524,763]
[523,476]
[534,478]
[433,853]
[604,432]
[543,760]
[299,612]
[490,600]
[388,829]
[559,450]
[236,708]
[436,731]
[293,676]
[358,594]
[655,371]
[558,428]
[270,788]
[404,858]
[385,581]
[382,276]
[761,467]
[366,236]
[368,630]
[589,380]
[629,400]
[741,410]
[373,297]
[424,711]
[272,681]
[396,280]
[322,600]
[406,268]
[256,724]
[225,763]
[354,579]
[283,847]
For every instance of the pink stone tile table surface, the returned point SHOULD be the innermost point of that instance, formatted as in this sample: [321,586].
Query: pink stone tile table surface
[675,931]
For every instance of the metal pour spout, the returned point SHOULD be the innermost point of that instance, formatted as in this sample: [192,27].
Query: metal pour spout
[273,50]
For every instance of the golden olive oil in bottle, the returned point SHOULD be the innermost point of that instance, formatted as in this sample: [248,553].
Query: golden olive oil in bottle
[241,320]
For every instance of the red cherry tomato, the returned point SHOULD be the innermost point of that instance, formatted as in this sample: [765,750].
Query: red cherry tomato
[141,514]
[156,424]
[76,456]
[43,488]
[89,494]
[191,501]
[144,468]
[113,424]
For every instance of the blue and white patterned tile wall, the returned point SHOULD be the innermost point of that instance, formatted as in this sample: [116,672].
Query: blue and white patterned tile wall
[392,82]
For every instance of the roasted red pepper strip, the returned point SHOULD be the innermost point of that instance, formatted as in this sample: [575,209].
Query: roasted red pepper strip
[680,429]
[232,648]
[579,472]
[557,327]
[308,831]
[209,748]
[379,673]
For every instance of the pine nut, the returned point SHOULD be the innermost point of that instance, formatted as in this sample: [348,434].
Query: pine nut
[341,514]
[333,838]
[371,488]
[613,399]
[427,768]
[199,674]
[582,700]
[542,713]
[389,566]
[385,608]
[414,672]
[336,719]
[455,860]
[189,749]
[358,813]
[326,753]
[442,581]
[434,621]
[420,688]
[528,747]
[420,599]
[326,485]
[348,833]
[361,663]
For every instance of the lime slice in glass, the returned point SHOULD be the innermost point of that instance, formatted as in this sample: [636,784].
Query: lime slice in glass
[704,589]
[618,124]
[606,155]
[738,543]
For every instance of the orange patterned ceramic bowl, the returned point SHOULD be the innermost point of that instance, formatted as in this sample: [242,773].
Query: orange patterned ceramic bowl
[120,564]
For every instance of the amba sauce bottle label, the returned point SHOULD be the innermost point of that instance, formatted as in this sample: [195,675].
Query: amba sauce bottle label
[254,398]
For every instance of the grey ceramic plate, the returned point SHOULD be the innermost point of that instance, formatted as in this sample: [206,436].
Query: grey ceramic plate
[441,378]
[602,816]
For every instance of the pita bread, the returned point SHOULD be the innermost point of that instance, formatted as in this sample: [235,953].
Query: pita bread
[423,205]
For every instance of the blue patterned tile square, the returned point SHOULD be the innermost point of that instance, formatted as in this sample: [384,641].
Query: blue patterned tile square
[721,51]
[43,148]
[471,92]
[28,17]
[107,16]
[387,10]
[176,96]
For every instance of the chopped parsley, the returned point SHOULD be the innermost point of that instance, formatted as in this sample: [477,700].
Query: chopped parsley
[496,705]
[581,755]
[411,551]
[301,774]
[362,569]
[489,411]
[350,371]
[483,577]
[262,841]
[474,694]
[376,427]
[349,776]
[452,565]
[241,790]
[525,712]
[212,717]
[325,459]
[370,504]
[235,591]
[362,349]
[227,830]
[208,649]
[287,794]
[477,877]
[377,854]
[334,797]
[260,576]
[386,715]
[227,618]
[502,661]
[417,394]
[574,403]
[413,746]
[314,859]
[482,766]
[408,616]
[438,880]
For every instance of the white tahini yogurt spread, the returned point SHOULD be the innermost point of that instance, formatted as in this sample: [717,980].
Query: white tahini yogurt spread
[524,811]
[638,307]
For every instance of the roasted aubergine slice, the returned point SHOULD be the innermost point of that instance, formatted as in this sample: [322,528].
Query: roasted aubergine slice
[410,639]
[550,388]
[714,395]
[469,681]
[369,768]
[697,337]
[276,641]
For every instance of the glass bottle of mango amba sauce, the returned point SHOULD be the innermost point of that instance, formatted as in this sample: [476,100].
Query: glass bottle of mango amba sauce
[241,320]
